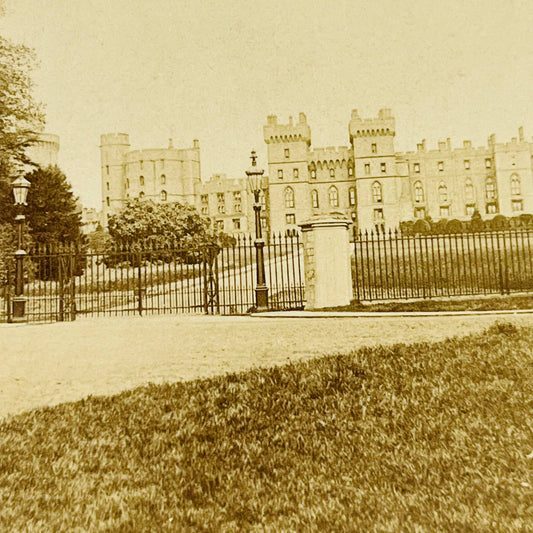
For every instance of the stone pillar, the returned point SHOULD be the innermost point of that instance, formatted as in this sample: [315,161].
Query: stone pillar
[328,269]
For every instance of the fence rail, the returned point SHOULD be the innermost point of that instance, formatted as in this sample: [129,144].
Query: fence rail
[64,283]
[392,266]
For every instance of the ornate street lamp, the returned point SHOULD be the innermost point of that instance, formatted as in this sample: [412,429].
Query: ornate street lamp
[255,178]
[20,192]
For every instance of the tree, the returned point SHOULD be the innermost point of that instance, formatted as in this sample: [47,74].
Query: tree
[52,214]
[147,225]
[20,114]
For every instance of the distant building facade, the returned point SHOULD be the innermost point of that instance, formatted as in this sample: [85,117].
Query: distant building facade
[377,187]
[44,150]
[172,175]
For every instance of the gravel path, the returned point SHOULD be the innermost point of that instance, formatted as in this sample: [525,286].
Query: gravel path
[53,363]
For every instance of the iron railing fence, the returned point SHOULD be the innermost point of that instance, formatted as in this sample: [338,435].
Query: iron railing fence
[62,282]
[393,266]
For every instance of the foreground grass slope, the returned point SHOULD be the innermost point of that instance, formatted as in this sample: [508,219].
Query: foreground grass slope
[428,437]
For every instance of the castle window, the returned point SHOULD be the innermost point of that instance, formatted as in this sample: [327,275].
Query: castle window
[141,164]
[440,166]
[350,171]
[367,168]
[420,212]
[444,211]
[488,163]
[517,205]
[141,181]
[236,223]
[383,167]
[333,197]
[470,209]
[163,196]
[419,192]
[219,225]
[351,196]
[262,199]
[237,201]
[204,199]
[127,183]
[280,174]
[331,172]
[107,169]
[290,218]
[467,164]
[289,197]
[107,184]
[443,193]
[295,173]
[374,148]
[417,168]
[379,220]
[313,174]
[221,201]
[515,185]
[107,201]
[490,189]
[377,193]
[314,198]
[469,190]
[141,195]
[163,179]
[287,153]
[491,209]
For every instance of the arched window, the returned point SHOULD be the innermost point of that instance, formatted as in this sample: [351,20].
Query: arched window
[163,196]
[419,192]
[515,185]
[443,193]
[377,195]
[351,195]
[333,197]
[163,179]
[141,195]
[314,198]
[469,191]
[331,172]
[289,197]
[490,189]
[141,181]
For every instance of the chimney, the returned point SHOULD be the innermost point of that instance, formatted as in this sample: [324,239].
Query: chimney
[521,133]
[170,145]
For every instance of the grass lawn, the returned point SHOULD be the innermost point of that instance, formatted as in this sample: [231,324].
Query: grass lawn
[424,437]
[492,303]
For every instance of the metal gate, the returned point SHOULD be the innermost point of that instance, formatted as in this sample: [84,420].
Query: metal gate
[65,283]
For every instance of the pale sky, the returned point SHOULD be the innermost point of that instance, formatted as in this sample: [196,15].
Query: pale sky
[214,70]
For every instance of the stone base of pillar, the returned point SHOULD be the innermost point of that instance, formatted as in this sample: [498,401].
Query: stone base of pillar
[18,310]
[328,269]
[261,298]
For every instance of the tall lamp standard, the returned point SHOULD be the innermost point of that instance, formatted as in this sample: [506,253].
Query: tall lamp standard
[255,178]
[20,192]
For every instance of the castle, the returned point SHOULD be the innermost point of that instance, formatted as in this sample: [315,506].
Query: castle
[377,187]
[367,180]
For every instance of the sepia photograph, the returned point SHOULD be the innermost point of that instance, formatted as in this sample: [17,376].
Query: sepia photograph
[266,266]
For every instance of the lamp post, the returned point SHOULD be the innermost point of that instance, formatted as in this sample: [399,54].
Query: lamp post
[20,192]
[255,177]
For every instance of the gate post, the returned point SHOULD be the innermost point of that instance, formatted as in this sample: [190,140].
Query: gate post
[327,264]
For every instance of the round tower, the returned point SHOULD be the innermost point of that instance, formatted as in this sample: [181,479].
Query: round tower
[113,147]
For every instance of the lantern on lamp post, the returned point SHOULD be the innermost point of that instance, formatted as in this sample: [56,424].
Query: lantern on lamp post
[255,182]
[20,192]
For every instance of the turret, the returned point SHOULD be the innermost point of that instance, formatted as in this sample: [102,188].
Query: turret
[113,147]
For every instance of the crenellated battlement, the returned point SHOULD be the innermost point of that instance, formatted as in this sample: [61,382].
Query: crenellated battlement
[115,139]
[330,154]
[384,124]
[285,133]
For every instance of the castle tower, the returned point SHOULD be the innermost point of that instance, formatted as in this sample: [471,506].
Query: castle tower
[288,148]
[44,150]
[378,183]
[113,147]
